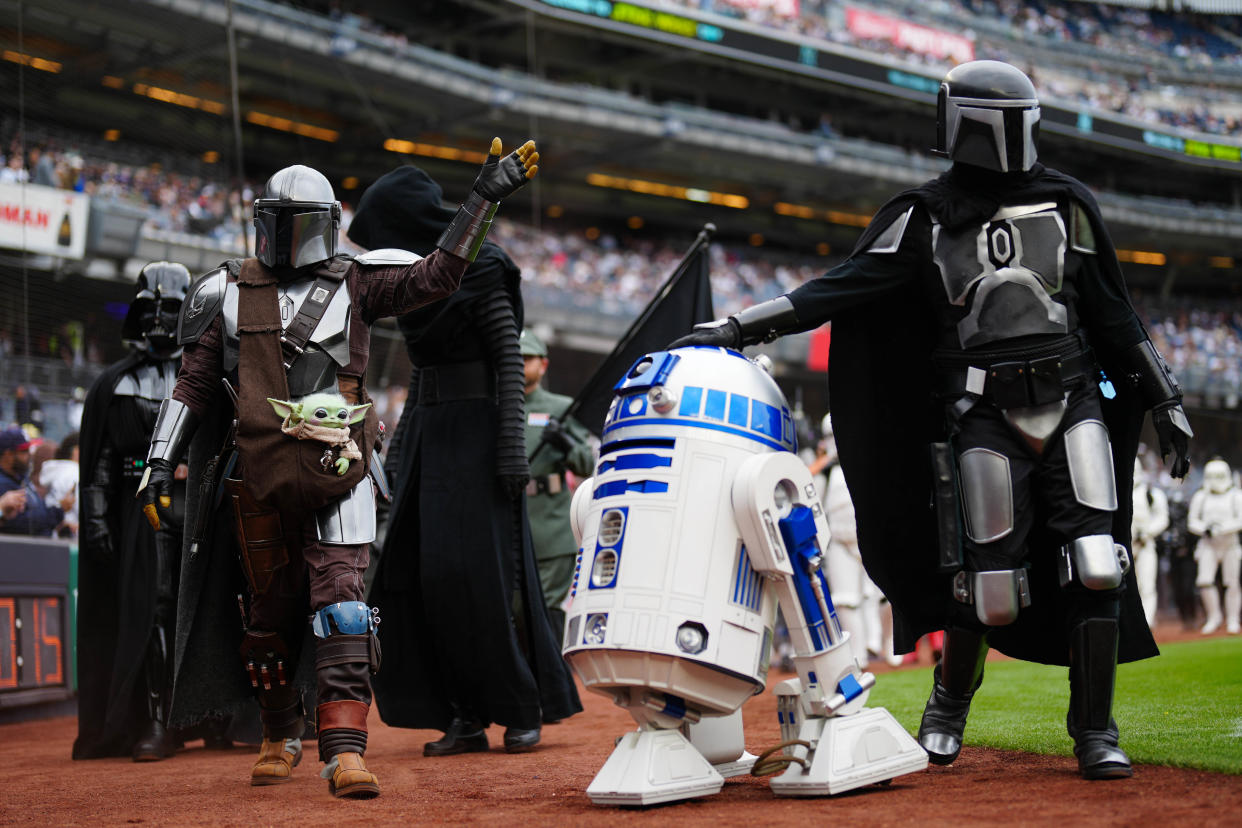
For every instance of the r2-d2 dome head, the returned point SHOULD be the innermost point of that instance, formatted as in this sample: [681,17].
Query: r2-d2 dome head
[1217,476]
[151,323]
[296,219]
[987,115]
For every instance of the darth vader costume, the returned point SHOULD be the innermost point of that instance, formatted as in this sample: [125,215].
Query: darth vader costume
[467,643]
[982,319]
[127,573]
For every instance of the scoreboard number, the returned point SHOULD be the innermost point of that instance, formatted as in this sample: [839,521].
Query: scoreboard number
[32,649]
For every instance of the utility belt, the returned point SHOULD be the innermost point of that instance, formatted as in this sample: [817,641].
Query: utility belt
[1016,379]
[550,484]
[456,381]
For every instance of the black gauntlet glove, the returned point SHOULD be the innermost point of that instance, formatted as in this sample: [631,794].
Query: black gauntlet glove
[1173,432]
[156,490]
[725,333]
[554,435]
[502,177]
[97,537]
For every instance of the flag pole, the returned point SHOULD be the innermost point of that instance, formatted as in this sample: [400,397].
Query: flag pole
[700,241]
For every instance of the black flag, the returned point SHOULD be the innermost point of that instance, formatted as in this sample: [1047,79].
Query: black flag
[683,301]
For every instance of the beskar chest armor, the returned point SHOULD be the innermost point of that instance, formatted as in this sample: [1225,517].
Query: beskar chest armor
[1007,274]
[327,349]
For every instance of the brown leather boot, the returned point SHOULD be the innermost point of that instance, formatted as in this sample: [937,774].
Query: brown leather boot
[276,761]
[348,777]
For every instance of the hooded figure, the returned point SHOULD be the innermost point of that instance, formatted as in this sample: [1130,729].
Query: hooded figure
[471,644]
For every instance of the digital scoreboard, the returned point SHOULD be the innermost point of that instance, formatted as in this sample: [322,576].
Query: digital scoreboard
[36,621]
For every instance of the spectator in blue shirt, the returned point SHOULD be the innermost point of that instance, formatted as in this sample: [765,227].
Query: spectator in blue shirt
[23,511]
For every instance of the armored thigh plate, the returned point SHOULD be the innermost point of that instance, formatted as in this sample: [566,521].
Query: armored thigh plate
[987,494]
[1090,458]
[349,520]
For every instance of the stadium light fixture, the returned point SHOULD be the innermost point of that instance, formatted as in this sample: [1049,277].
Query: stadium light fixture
[1146,257]
[159,93]
[804,211]
[42,64]
[656,188]
[1221,261]
[297,127]
[434,151]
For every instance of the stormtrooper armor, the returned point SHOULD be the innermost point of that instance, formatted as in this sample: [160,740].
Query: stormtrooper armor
[1216,517]
[1148,521]
[699,520]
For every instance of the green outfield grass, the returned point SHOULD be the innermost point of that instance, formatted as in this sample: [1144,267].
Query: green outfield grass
[1182,709]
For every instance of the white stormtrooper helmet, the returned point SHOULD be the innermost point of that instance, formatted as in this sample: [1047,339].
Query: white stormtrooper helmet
[1217,476]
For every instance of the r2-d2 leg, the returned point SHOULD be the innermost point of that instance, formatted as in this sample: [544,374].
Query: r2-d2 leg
[840,744]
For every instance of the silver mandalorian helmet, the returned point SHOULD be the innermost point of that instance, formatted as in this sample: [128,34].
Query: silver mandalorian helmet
[1217,476]
[296,219]
[151,323]
[987,115]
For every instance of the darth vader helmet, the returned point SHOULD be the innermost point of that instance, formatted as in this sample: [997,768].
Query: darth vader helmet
[151,323]
[296,219]
[987,115]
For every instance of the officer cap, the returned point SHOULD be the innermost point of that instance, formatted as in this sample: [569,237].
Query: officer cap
[531,345]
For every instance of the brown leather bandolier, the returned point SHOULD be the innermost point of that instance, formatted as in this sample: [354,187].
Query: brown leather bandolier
[285,474]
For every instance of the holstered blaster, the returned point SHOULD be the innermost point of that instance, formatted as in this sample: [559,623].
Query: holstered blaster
[948,507]
[208,486]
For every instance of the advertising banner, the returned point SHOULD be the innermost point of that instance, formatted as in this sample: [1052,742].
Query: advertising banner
[922,39]
[40,219]
[783,8]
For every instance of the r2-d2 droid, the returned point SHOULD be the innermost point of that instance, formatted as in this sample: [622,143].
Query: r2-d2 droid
[699,521]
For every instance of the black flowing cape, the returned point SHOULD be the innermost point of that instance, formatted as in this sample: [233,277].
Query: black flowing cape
[116,598]
[885,416]
[457,584]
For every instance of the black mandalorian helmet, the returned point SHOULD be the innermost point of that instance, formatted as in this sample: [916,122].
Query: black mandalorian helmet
[987,115]
[296,219]
[151,323]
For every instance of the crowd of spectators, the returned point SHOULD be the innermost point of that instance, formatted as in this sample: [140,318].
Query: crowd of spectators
[1192,43]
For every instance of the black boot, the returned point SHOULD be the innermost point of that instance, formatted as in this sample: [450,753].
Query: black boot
[465,734]
[518,740]
[156,742]
[957,677]
[1093,669]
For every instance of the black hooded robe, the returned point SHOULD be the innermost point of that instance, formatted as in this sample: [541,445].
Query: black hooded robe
[885,416]
[457,584]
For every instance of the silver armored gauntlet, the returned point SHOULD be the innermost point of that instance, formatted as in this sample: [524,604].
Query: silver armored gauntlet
[173,429]
[465,233]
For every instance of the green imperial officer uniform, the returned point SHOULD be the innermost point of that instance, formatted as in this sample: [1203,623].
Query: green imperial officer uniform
[547,495]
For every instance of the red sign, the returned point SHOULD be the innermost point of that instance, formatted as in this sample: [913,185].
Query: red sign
[922,39]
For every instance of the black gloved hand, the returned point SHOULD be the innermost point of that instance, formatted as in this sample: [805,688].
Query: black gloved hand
[502,177]
[725,333]
[513,484]
[554,435]
[1174,433]
[156,489]
[97,537]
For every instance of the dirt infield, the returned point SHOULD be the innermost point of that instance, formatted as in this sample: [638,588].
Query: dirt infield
[199,787]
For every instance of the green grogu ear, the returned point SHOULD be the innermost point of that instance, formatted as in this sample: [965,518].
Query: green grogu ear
[284,409]
[357,412]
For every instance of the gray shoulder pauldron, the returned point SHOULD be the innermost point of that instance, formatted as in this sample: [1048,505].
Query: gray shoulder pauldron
[202,305]
[890,240]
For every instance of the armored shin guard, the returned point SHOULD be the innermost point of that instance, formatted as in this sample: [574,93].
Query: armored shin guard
[957,677]
[270,668]
[1093,669]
